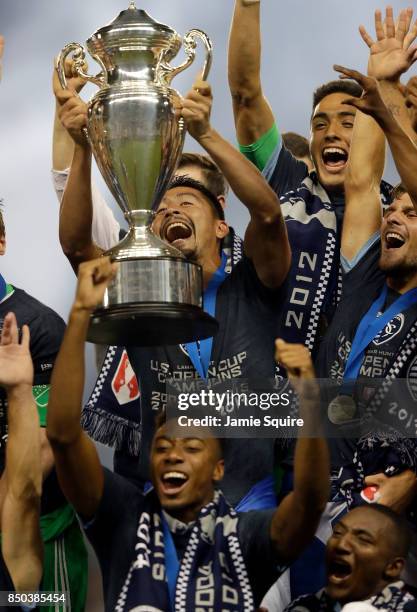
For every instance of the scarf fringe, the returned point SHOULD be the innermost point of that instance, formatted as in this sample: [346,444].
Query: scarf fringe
[111,430]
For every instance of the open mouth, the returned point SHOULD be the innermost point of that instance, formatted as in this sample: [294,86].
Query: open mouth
[339,571]
[393,240]
[334,158]
[173,482]
[176,231]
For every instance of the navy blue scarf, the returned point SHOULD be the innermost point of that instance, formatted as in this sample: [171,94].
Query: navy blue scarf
[314,279]
[112,413]
[212,573]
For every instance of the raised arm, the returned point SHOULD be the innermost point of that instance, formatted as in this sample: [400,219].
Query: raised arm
[403,148]
[297,517]
[266,240]
[390,56]
[363,212]
[62,143]
[21,539]
[80,473]
[76,213]
[253,115]
[105,229]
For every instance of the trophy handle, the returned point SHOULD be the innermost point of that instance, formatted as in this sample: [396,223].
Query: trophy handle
[168,72]
[78,56]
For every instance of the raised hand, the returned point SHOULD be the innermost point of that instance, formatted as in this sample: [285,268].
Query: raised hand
[295,358]
[93,279]
[74,82]
[371,101]
[16,366]
[392,53]
[196,109]
[71,109]
[72,112]
[396,492]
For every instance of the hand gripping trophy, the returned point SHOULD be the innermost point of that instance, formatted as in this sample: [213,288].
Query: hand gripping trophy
[137,137]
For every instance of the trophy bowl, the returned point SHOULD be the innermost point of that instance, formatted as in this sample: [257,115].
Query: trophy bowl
[137,137]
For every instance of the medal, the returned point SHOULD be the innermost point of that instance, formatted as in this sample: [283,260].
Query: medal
[341,409]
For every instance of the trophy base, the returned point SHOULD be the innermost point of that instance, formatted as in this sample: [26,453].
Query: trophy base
[150,324]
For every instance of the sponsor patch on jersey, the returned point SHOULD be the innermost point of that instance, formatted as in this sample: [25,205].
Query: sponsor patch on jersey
[125,384]
[391,329]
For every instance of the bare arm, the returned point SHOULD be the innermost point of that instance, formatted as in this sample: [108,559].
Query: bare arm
[266,240]
[76,213]
[21,540]
[62,143]
[404,148]
[105,229]
[297,517]
[80,473]
[253,115]
[391,54]
[363,178]
[402,139]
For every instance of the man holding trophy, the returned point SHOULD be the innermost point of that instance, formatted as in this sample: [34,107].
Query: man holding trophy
[246,301]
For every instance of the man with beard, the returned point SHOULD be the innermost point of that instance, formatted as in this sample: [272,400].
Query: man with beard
[247,299]
[372,335]
[368,467]
[365,556]
[181,546]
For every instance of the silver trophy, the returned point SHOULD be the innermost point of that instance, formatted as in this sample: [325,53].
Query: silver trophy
[137,137]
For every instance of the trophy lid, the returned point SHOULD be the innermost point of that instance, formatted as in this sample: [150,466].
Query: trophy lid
[133,29]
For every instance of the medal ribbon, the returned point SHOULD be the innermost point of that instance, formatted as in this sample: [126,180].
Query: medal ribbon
[369,328]
[200,352]
[3,288]
[172,564]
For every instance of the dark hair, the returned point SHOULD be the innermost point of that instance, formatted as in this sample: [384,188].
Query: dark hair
[398,191]
[400,535]
[187,181]
[350,88]
[296,144]
[214,178]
